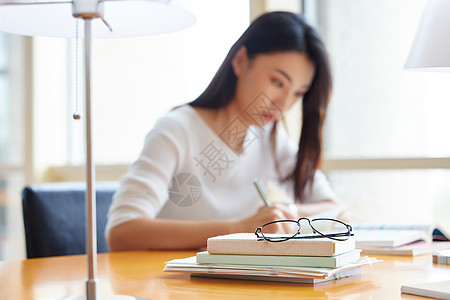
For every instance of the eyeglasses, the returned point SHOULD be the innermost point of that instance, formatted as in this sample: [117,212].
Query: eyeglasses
[321,228]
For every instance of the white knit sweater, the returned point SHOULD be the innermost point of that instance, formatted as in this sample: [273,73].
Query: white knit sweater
[187,172]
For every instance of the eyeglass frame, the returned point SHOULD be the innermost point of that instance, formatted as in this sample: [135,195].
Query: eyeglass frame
[332,236]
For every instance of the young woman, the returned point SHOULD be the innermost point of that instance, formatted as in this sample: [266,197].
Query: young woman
[194,177]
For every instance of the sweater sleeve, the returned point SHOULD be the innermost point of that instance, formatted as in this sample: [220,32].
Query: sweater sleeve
[143,190]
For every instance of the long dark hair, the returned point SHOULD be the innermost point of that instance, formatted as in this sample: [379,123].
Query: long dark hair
[278,32]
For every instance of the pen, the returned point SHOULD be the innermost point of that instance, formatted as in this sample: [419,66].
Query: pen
[261,190]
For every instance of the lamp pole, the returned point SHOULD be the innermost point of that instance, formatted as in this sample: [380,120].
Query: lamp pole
[91,229]
[88,10]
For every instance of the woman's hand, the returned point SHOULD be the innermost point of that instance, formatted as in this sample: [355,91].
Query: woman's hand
[265,215]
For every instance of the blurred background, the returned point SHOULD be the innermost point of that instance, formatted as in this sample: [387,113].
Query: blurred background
[387,151]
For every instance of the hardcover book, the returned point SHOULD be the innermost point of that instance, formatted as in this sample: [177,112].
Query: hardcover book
[248,244]
[335,261]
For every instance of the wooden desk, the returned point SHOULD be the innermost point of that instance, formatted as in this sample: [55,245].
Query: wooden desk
[140,274]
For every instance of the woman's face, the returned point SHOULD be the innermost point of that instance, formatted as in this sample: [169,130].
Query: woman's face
[269,84]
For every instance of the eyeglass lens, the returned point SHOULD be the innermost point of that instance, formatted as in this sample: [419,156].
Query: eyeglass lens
[286,227]
[291,228]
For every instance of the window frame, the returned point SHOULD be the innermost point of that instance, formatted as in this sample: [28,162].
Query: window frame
[309,8]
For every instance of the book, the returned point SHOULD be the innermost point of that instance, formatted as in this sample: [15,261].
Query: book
[248,244]
[394,235]
[280,260]
[441,257]
[438,289]
[189,265]
[412,249]
[338,276]
[388,238]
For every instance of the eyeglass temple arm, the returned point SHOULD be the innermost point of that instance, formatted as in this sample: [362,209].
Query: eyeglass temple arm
[256,231]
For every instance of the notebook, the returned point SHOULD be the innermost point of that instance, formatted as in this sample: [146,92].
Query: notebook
[338,276]
[438,289]
[189,265]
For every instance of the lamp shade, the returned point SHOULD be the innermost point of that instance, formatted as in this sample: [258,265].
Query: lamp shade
[127,18]
[430,50]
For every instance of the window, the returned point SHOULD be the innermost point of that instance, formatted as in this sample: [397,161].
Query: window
[13,156]
[386,146]
[5,102]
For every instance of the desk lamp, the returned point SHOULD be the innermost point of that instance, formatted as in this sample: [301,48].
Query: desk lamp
[103,19]
[430,50]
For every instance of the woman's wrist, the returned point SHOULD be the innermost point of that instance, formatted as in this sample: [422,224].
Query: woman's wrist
[235,226]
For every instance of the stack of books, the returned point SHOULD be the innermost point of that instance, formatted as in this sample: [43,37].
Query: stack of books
[242,256]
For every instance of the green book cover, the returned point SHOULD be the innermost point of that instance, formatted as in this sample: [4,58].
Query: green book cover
[335,261]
